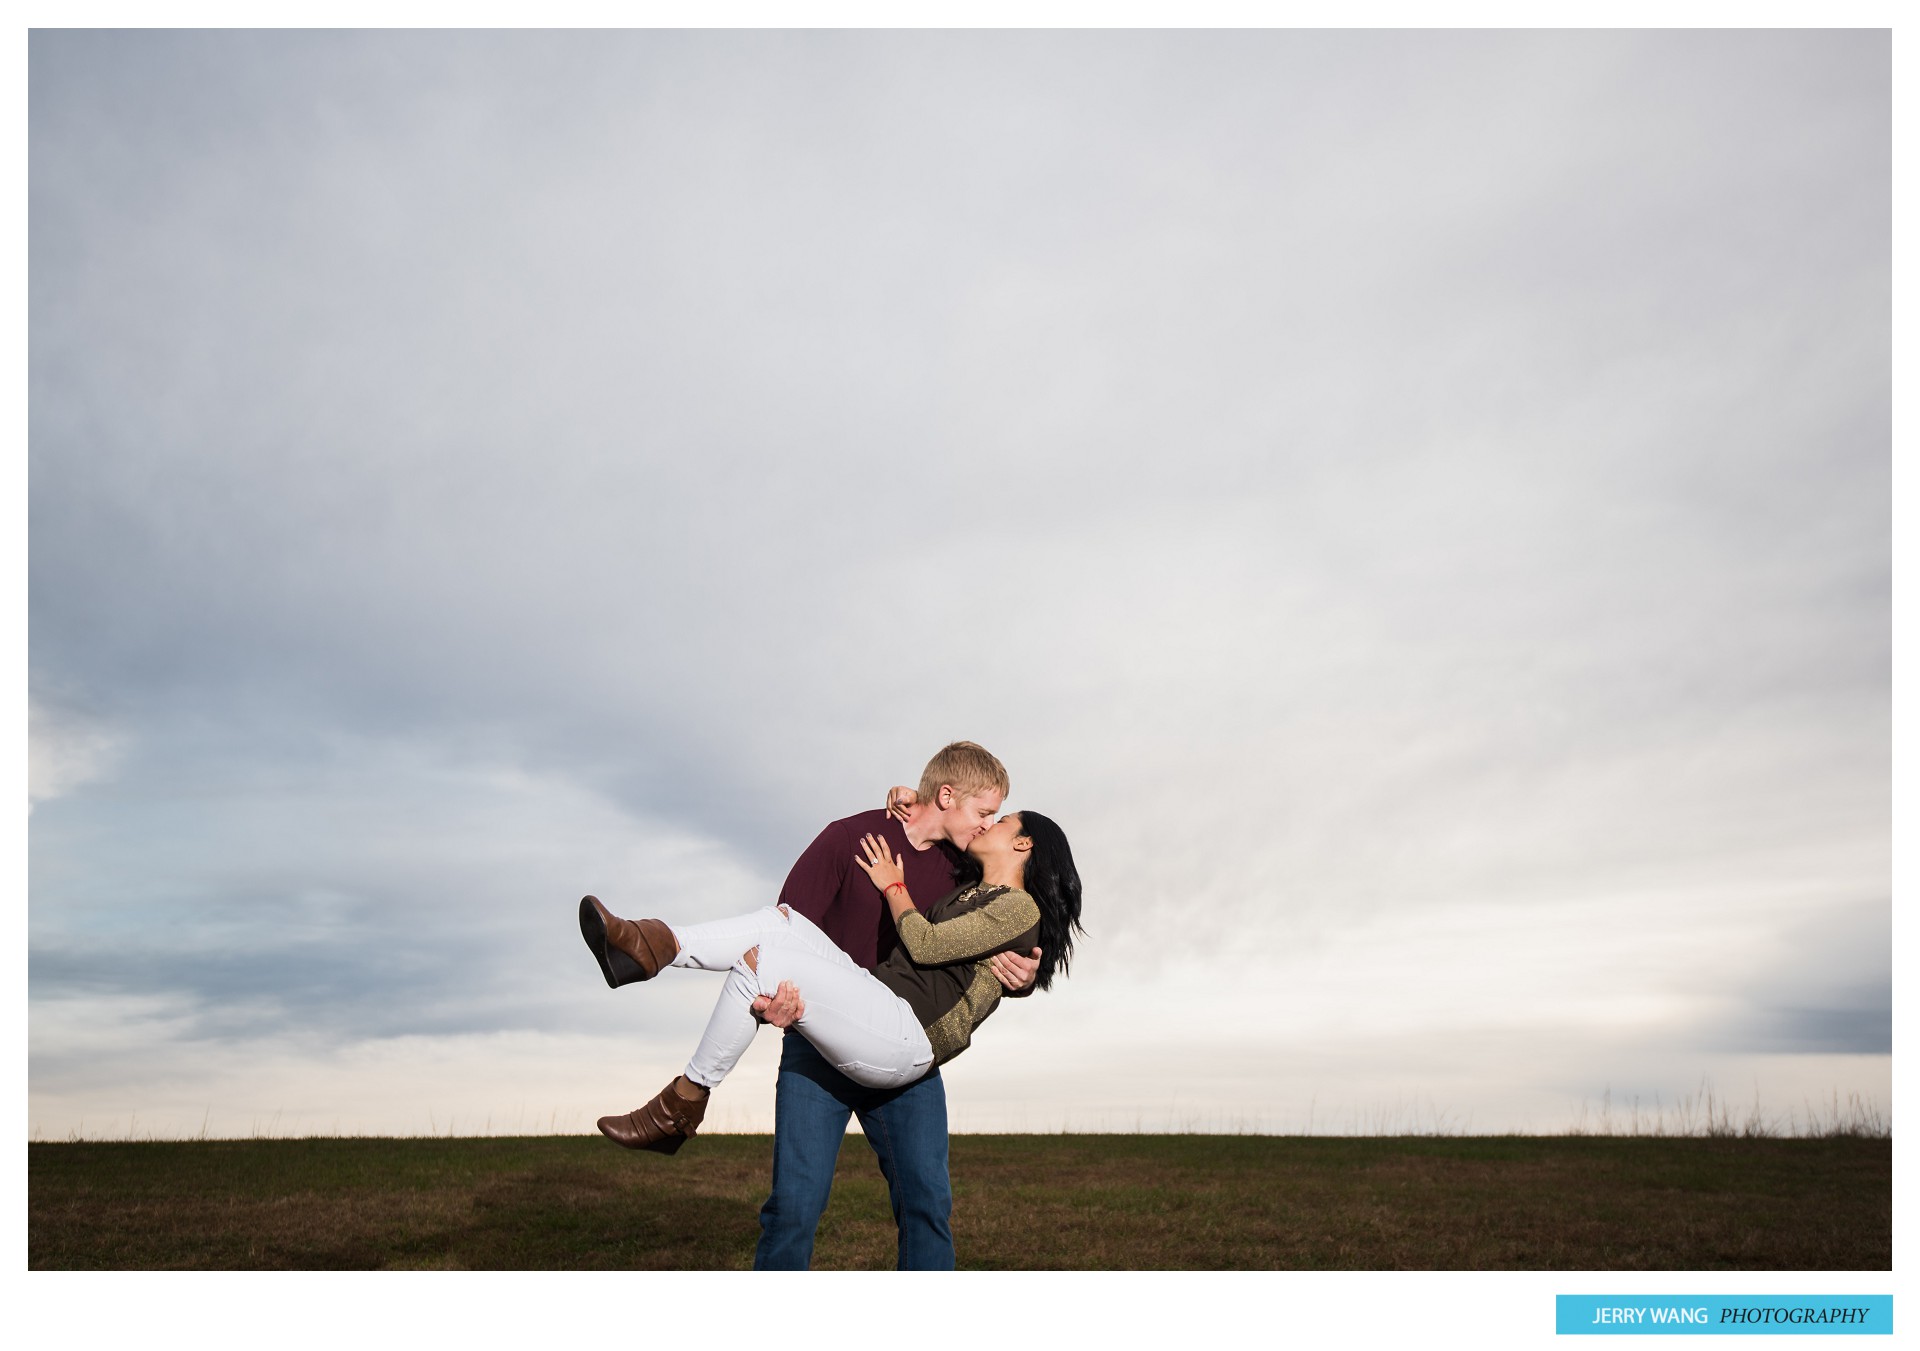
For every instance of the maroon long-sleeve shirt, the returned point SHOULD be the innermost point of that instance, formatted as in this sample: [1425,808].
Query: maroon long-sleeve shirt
[831,890]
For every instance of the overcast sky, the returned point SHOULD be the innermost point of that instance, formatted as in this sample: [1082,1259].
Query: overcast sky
[1413,506]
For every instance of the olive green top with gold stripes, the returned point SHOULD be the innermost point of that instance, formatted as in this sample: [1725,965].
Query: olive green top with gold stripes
[940,967]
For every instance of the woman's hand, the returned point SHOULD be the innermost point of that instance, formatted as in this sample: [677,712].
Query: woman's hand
[880,865]
[899,799]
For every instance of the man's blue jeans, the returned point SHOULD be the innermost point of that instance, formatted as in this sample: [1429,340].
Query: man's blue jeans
[907,1128]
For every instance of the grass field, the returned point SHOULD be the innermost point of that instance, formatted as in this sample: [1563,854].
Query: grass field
[1020,1201]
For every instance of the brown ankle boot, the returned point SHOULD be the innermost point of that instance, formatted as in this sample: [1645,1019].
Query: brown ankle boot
[627,950]
[663,1125]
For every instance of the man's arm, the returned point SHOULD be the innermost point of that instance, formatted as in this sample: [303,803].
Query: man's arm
[815,878]
[812,883]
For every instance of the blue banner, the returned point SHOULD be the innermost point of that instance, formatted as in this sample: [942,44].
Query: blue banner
[1718,1315]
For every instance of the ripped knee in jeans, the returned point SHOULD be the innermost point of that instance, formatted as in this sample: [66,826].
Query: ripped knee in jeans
[752,958]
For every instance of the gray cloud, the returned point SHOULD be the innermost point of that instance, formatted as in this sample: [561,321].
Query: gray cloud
[1345,476]
[1829,990]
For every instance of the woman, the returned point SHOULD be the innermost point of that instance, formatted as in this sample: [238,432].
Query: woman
[883,1028]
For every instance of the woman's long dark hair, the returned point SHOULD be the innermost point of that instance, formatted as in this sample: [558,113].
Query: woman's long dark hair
[1054,884]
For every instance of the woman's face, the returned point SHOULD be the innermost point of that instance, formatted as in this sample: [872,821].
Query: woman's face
[997,838]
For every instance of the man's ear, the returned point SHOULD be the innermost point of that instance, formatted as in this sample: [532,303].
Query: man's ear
[944,799]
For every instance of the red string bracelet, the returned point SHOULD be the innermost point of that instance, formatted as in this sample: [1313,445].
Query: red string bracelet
[891,885]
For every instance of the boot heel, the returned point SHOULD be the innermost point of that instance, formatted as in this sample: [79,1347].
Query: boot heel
[652,938]
[660,1127]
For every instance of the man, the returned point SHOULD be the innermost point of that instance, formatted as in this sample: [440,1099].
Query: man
[960,791]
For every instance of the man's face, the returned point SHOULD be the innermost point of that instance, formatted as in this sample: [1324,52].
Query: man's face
[968,816]
[998,837]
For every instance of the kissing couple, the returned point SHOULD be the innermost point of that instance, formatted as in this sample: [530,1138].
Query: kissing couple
[895,937]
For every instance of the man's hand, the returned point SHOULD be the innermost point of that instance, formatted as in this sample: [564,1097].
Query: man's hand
[1014,971]
[899,799]
[783,1008]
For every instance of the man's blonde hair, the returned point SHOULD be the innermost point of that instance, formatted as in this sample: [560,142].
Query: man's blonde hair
[966,768]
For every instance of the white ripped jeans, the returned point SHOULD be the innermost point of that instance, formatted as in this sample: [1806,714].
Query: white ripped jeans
[864,1030]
